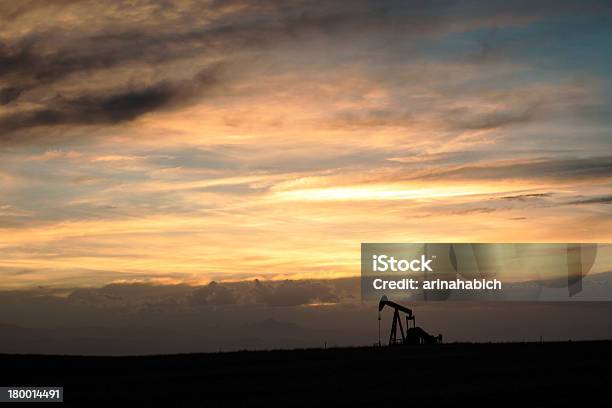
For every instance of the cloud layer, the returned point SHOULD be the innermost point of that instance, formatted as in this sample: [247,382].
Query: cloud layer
[155,318]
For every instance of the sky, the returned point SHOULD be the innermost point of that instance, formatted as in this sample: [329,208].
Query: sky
[149,148]
[186,142]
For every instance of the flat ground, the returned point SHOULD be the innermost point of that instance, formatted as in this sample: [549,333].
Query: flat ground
[552,374]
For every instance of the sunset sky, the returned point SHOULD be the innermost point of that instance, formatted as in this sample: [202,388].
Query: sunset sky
[184,142]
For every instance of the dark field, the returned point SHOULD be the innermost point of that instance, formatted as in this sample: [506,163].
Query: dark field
[529,374]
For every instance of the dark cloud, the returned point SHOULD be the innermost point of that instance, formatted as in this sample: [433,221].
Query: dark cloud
[213,295]
[111,108]
[294,293]
[130,295]
[457,119]
[556,169]
[144,296]
[477,210]
[97,320]
[594,200]
[464,119]
[29,65]
[523,197]
[9,94]
[155,36]
[520,111]
[498,204]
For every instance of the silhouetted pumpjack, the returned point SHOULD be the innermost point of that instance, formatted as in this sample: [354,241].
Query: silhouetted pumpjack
[413,335]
